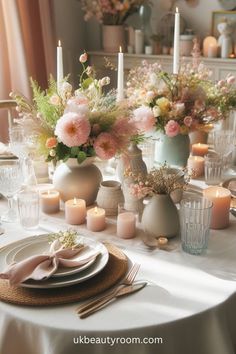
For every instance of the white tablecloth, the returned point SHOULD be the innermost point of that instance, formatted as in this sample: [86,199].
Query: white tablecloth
[189,304]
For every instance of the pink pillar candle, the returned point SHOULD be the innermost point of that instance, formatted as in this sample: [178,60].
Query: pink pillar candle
[96,219]
[126,225]
[199,149]
[196,166]
[50,201]
[75,211]
[220,198]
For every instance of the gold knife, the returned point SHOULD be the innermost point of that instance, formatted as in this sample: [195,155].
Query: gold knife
[125,290]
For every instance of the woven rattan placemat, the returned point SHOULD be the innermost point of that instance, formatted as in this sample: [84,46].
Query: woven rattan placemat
[114,270]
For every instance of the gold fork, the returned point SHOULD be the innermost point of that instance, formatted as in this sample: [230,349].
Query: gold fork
[128,280]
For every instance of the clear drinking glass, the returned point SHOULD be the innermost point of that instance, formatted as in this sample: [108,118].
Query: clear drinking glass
[28,207]
[11,179]
[213,169]
[148,151]
[224,141]
[195,218]
[17,142]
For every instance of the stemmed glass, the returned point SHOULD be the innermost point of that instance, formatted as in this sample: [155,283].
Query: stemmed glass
[11,178]
[224,141]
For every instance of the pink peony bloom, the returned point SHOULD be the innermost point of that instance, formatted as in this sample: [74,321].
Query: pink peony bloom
[73,129]
[51,143]
[230,79]
[122,130]
[188,121]
[144,119]
[172,128]
[105,146]
[83,58]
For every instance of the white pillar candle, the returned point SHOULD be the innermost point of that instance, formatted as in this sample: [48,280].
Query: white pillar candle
[96,219]
[221,199]
[50,201]
[126,225]
[120,76]
[196,166]
[75,211]
[60,73]
[199,149]
[212,50]
[176,42]
[209,41]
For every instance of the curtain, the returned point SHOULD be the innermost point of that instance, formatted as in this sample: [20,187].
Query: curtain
[27,48]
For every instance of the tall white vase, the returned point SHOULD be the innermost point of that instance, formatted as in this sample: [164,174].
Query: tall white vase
[78,180]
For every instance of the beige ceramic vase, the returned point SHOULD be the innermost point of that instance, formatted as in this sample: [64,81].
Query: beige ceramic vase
[109,196]
[75,180]
[160,217]
[113,37]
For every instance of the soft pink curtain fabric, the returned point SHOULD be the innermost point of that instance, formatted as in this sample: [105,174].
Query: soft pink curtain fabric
[26,47]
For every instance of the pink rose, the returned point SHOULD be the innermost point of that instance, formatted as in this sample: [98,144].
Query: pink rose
[105,146]
[172,128]
[144,119]
[230,80]
[188,121]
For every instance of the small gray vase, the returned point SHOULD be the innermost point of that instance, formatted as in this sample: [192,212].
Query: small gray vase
[109,196]
[160,217]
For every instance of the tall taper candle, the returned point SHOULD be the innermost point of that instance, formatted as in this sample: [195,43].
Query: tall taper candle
[120,77]
[176,42]
[60,73]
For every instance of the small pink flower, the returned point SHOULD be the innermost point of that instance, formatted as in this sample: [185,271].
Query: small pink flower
[179,108]
[188,121]
[73,129]
[230,80]
[83,58]
[51,143]
[144,119]
[77,104]
[105,146]
[172,128]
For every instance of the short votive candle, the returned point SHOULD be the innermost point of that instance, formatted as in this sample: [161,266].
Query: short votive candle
[126,225]
[96,219]
[221,199]
[50,201]
[75,211]
[196,166]
[199,149]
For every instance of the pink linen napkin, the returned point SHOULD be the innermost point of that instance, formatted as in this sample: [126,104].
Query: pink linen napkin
[41,267]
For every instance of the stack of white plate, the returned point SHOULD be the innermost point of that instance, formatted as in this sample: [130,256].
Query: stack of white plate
[36,245]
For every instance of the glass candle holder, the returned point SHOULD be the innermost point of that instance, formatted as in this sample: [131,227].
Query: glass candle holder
[213,169]
[195,218]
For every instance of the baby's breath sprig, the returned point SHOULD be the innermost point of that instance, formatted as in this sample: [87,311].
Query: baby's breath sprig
[67,238]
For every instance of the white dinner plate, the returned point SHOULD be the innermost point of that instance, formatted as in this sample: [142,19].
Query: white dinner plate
[8,254]
[42,247]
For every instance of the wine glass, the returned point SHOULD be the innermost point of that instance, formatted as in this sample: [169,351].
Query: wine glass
[11,178]
[21,147]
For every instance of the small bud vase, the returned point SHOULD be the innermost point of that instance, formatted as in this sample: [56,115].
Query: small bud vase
[160,217]
[109,196]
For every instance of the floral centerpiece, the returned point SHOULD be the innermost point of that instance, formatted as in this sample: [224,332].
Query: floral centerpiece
[178,104]
[111,14]
[74,125]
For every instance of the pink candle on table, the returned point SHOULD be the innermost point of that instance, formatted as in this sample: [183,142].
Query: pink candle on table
[96,219]
[50,201]
[196,166]
[220,198]
[126,225]
[199,149]
[75,211]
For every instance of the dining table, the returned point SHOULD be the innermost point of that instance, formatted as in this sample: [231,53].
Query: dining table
[188,305]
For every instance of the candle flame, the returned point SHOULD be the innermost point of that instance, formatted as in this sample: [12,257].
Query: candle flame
[199,144]
[120,49]
[48,192]
[217,193]
[75,201]
[59,43]
[96,210]
[177,9]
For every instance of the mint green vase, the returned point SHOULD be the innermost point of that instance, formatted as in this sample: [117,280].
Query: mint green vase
[174,151]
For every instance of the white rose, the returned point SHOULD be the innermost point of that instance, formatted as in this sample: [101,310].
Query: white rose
[156,111]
